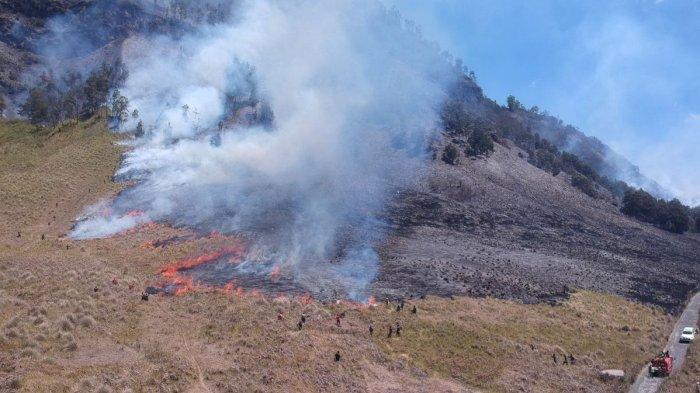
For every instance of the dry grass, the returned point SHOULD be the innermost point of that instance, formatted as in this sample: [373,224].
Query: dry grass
[58,335]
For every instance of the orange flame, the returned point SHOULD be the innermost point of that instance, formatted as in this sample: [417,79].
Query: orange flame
[184,284]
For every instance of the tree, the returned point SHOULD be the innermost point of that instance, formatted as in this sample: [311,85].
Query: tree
[120,108]
[480,142]
[640,204]
[43,104]
[695,215]
[673,216]
[96,90]
[514,104]
[139,130]
[451,154]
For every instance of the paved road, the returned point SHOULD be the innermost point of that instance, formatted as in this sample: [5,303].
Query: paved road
[645,384]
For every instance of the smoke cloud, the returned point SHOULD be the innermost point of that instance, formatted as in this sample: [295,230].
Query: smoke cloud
[294,125]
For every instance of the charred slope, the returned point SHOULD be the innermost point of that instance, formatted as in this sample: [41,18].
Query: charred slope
[499,226]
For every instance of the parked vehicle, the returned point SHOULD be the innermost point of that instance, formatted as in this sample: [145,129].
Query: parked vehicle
[688,334]
[661,366]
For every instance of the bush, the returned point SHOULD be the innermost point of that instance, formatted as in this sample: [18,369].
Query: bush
[480,142]
[671,216]
[584,184]
[451,154]
[545,160]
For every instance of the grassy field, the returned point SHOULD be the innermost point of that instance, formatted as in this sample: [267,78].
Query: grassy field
[72,318]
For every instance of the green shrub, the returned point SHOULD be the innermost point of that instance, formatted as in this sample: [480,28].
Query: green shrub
[480,142]
[584,184]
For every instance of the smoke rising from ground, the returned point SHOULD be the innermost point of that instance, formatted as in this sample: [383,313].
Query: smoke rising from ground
[354,96]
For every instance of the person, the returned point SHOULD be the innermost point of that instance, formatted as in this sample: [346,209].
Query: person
[572,360]
[144,296]
[371,330]
[300,325]
[303,318]
[398,308]
[554,357]
[566,361]
[279,316]
[43,236]
[19,234]
[398,329]
[391,331]
[414,309]
[337,320]
[337,356]
[96,289]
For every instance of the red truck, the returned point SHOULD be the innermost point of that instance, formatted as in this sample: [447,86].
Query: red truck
[661,366]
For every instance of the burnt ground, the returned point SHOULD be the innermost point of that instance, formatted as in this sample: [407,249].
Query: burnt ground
[498,226]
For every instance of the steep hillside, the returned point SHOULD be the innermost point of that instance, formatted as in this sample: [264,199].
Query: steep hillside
[498,226]
[72,317]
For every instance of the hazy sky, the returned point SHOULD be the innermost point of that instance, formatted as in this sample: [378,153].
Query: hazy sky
[623,71]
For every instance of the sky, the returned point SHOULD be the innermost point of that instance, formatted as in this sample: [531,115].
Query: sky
[625,72]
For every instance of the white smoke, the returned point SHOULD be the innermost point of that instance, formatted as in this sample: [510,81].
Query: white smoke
[354,96]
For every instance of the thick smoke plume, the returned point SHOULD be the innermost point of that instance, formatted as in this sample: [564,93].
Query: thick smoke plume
[294,124]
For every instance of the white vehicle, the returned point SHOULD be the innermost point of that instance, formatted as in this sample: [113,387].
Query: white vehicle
[688,334]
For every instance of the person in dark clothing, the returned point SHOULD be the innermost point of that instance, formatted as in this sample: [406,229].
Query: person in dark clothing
[566,360]
[391,331]
[398,329]
[337,356]
[371,330]
[398,308]
[572,361]
[337,320]
[414,310]
[300,325]
[19,234]
[303,318]
[144,297]
[554,357]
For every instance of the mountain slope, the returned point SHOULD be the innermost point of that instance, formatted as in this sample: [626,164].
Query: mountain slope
[498,226]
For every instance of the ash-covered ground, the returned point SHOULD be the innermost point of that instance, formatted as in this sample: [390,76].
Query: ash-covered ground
[498,226]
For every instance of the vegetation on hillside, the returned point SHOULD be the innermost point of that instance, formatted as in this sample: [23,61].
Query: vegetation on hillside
[490,120]
[671,215]
[53,100]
